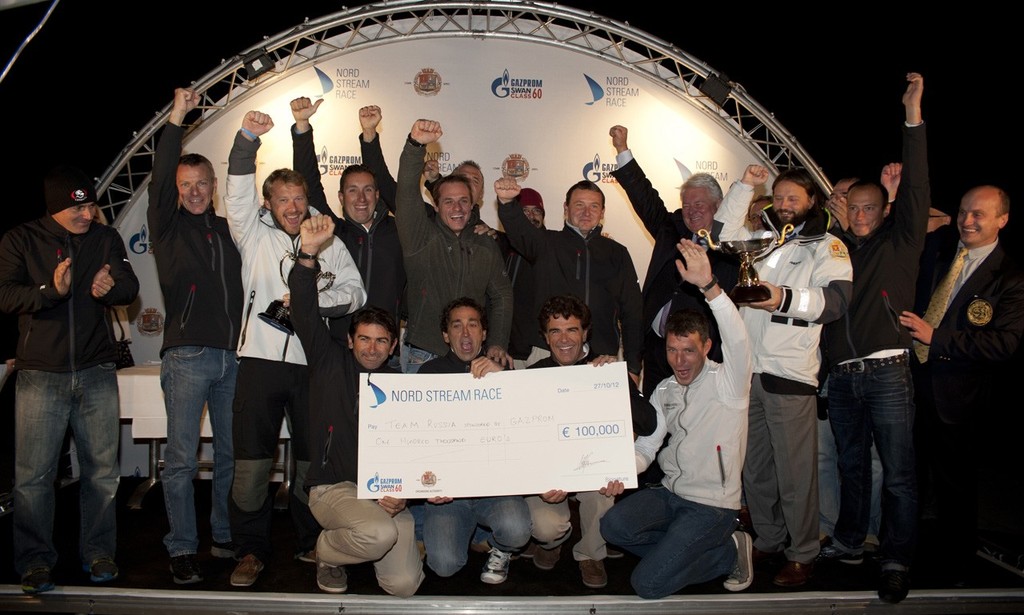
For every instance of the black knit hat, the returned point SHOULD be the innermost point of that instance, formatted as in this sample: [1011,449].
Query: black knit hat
[67,186]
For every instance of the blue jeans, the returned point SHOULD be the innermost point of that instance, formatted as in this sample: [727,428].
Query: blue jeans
[877,406]
[46,403]
[679,542]
[828,483]
[191,377]
[411,358]
[447,529]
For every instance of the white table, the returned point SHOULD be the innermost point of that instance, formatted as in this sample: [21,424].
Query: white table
[142,403]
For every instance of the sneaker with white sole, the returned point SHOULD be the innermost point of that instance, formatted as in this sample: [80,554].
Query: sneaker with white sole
[496,569]
[185,569]
[331,579]
[742,574]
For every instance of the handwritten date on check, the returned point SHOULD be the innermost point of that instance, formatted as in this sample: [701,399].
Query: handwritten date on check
[508,433]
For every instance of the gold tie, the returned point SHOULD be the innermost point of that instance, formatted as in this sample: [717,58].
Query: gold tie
[940,300]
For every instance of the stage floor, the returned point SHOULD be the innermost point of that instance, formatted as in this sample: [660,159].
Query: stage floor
[288,585]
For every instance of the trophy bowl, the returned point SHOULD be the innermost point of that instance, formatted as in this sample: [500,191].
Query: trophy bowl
[748,287]
[277,315]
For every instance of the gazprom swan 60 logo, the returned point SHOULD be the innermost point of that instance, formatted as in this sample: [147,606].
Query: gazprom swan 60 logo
[335,164]
[139,242]
[615,91]
[376,484]
[599,172]
[517,87]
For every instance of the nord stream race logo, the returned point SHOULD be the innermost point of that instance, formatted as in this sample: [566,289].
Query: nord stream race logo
[335,164]
[379,396]
[517,87]
[347,83]
[139,242]
[376,484]
[615,90]
[599,172]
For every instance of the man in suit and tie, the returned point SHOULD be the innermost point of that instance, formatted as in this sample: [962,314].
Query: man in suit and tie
[973,321]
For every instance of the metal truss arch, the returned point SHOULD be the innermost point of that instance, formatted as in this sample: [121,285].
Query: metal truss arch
[391,22]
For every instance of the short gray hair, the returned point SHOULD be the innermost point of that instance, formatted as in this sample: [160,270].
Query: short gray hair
[703,180]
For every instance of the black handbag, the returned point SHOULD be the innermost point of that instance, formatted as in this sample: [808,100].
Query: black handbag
[124,352]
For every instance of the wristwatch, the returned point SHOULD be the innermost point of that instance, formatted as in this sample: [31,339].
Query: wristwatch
[710,285]
[300,255]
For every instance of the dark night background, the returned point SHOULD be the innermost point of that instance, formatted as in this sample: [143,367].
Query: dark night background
[98,71]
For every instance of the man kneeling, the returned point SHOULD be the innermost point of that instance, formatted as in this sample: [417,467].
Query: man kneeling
[683,529]
[354,530]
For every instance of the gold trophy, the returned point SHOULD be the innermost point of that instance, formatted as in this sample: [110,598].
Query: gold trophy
[749,289]
[277,314]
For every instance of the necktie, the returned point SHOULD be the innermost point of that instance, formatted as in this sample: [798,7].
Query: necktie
[940,300]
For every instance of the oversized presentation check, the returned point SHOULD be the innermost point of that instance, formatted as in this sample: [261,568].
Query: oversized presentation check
[511,432]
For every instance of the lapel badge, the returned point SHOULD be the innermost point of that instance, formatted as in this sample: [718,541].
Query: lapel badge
[979,312]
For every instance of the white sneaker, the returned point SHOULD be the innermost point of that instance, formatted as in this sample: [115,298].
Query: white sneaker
[742,574]
[496,569]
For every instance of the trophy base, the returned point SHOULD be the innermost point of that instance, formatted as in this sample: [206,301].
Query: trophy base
[281,323]
[749,294]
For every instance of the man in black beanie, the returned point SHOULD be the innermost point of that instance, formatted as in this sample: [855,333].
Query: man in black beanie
[60,274]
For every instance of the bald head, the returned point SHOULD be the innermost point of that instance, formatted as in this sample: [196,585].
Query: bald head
[984,211]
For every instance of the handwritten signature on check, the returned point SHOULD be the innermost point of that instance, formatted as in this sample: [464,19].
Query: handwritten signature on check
[585,462]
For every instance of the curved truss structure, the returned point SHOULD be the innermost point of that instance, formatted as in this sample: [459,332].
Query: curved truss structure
[537,22]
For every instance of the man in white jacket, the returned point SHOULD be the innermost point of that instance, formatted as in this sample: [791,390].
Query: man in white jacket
[683,529]
[272,375]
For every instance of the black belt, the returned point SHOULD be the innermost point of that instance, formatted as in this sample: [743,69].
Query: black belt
[796,322]
[861,366]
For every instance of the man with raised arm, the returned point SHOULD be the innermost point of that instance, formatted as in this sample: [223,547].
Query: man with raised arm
[684,530]
[663,289]
[354,531]
[870,391]
[365,226]
[445,259]
[579,260]
[273,379]
[200,273]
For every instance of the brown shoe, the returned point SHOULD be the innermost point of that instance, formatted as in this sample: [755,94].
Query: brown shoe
[593,573]
[545,559]
[247,571]
[793,574]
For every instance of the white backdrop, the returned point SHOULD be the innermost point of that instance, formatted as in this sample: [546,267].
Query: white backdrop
[496,100]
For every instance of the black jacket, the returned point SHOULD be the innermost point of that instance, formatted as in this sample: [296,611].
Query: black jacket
[199,266]
[376,251]
[333,428]
[596,269]
[885,266]
[73,332]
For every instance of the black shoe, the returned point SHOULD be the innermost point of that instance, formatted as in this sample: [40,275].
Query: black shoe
[894,586]
[185,569]
[830,552]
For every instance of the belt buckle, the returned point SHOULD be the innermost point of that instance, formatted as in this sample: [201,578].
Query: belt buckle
[857,366]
